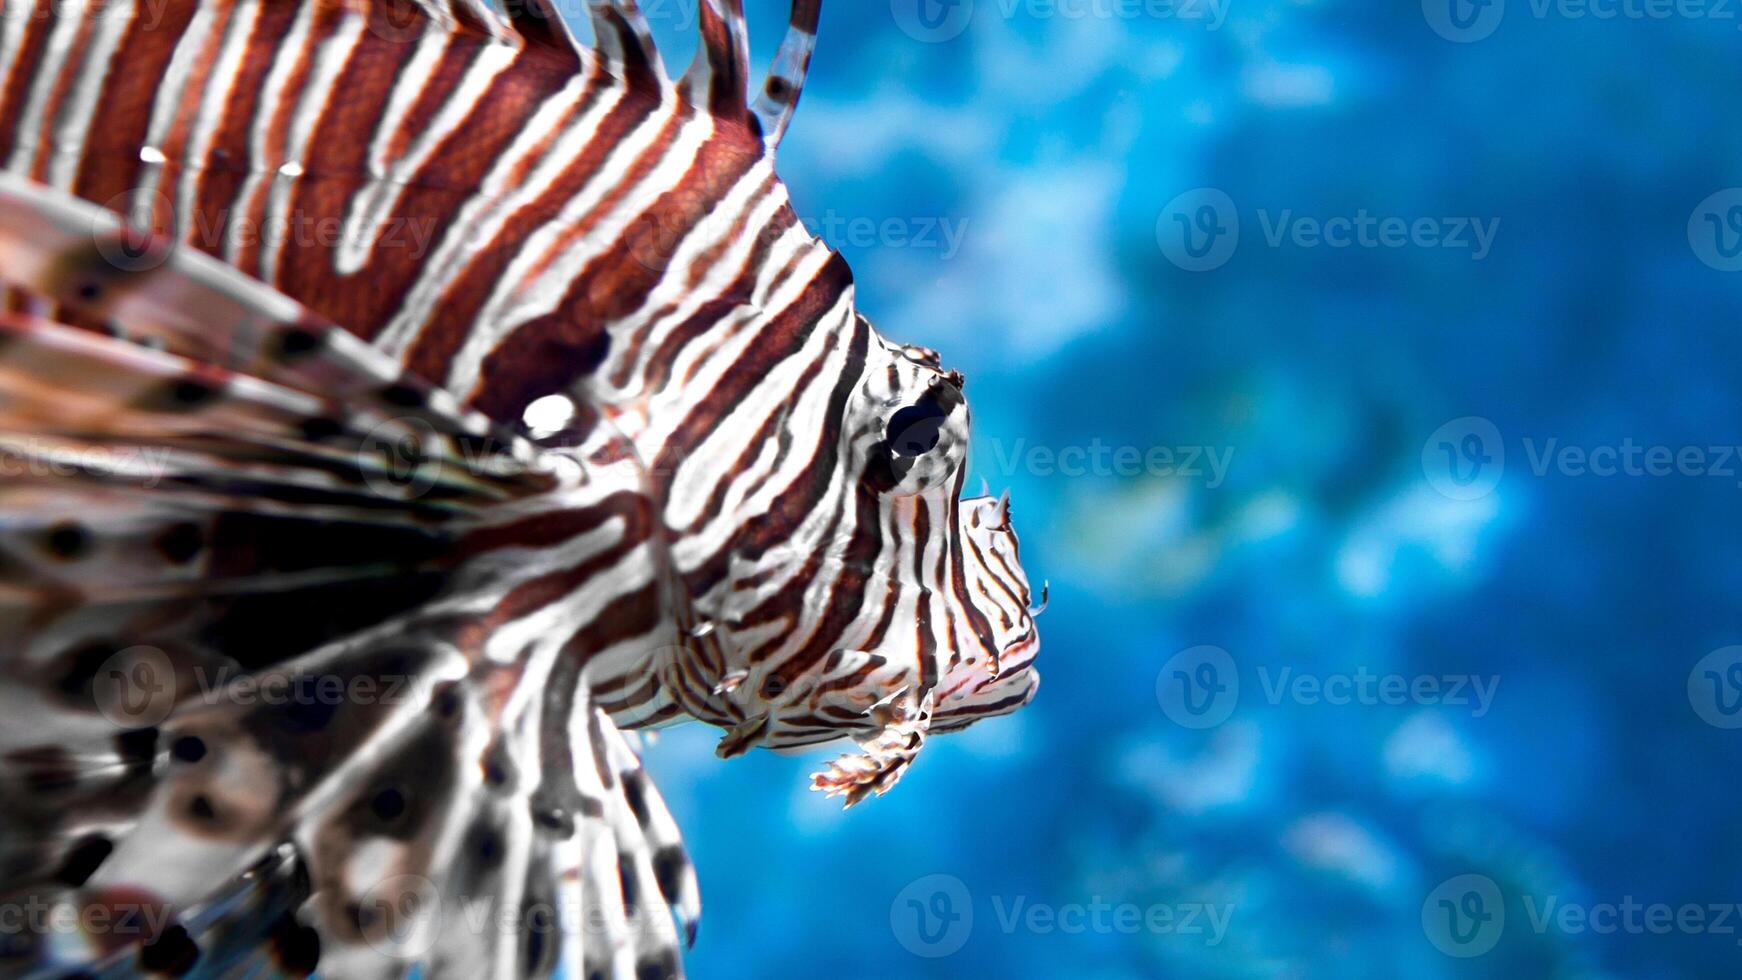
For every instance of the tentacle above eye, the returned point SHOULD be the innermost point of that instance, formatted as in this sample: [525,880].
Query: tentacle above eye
[778,100]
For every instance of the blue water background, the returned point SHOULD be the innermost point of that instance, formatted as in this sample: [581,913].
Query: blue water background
[1355,531]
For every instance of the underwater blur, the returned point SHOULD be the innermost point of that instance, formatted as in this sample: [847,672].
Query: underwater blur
[1365,380]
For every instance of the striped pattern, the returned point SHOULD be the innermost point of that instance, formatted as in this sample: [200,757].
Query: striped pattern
[381,223]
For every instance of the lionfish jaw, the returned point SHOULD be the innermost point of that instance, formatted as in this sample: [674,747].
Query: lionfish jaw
[886,755]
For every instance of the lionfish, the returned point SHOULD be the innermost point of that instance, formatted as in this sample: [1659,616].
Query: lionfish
[400,401]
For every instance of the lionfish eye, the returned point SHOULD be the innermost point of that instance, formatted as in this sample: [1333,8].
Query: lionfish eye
[913,431]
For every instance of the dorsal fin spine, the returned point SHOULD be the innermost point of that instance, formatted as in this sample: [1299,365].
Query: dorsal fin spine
[539,22]
[719,75]
[778,100]
[620,31]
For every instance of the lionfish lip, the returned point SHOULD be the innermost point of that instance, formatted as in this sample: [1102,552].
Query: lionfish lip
[1012,660]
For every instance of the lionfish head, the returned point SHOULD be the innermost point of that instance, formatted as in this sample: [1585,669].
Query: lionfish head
[906,609]
[948,570]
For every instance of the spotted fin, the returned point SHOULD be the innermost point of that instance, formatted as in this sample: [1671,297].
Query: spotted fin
[422,831]
[777,102]
[193,524]
[719,77]
[219,479]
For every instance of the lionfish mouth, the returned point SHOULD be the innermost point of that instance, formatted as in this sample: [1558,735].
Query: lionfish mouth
[1004,679]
